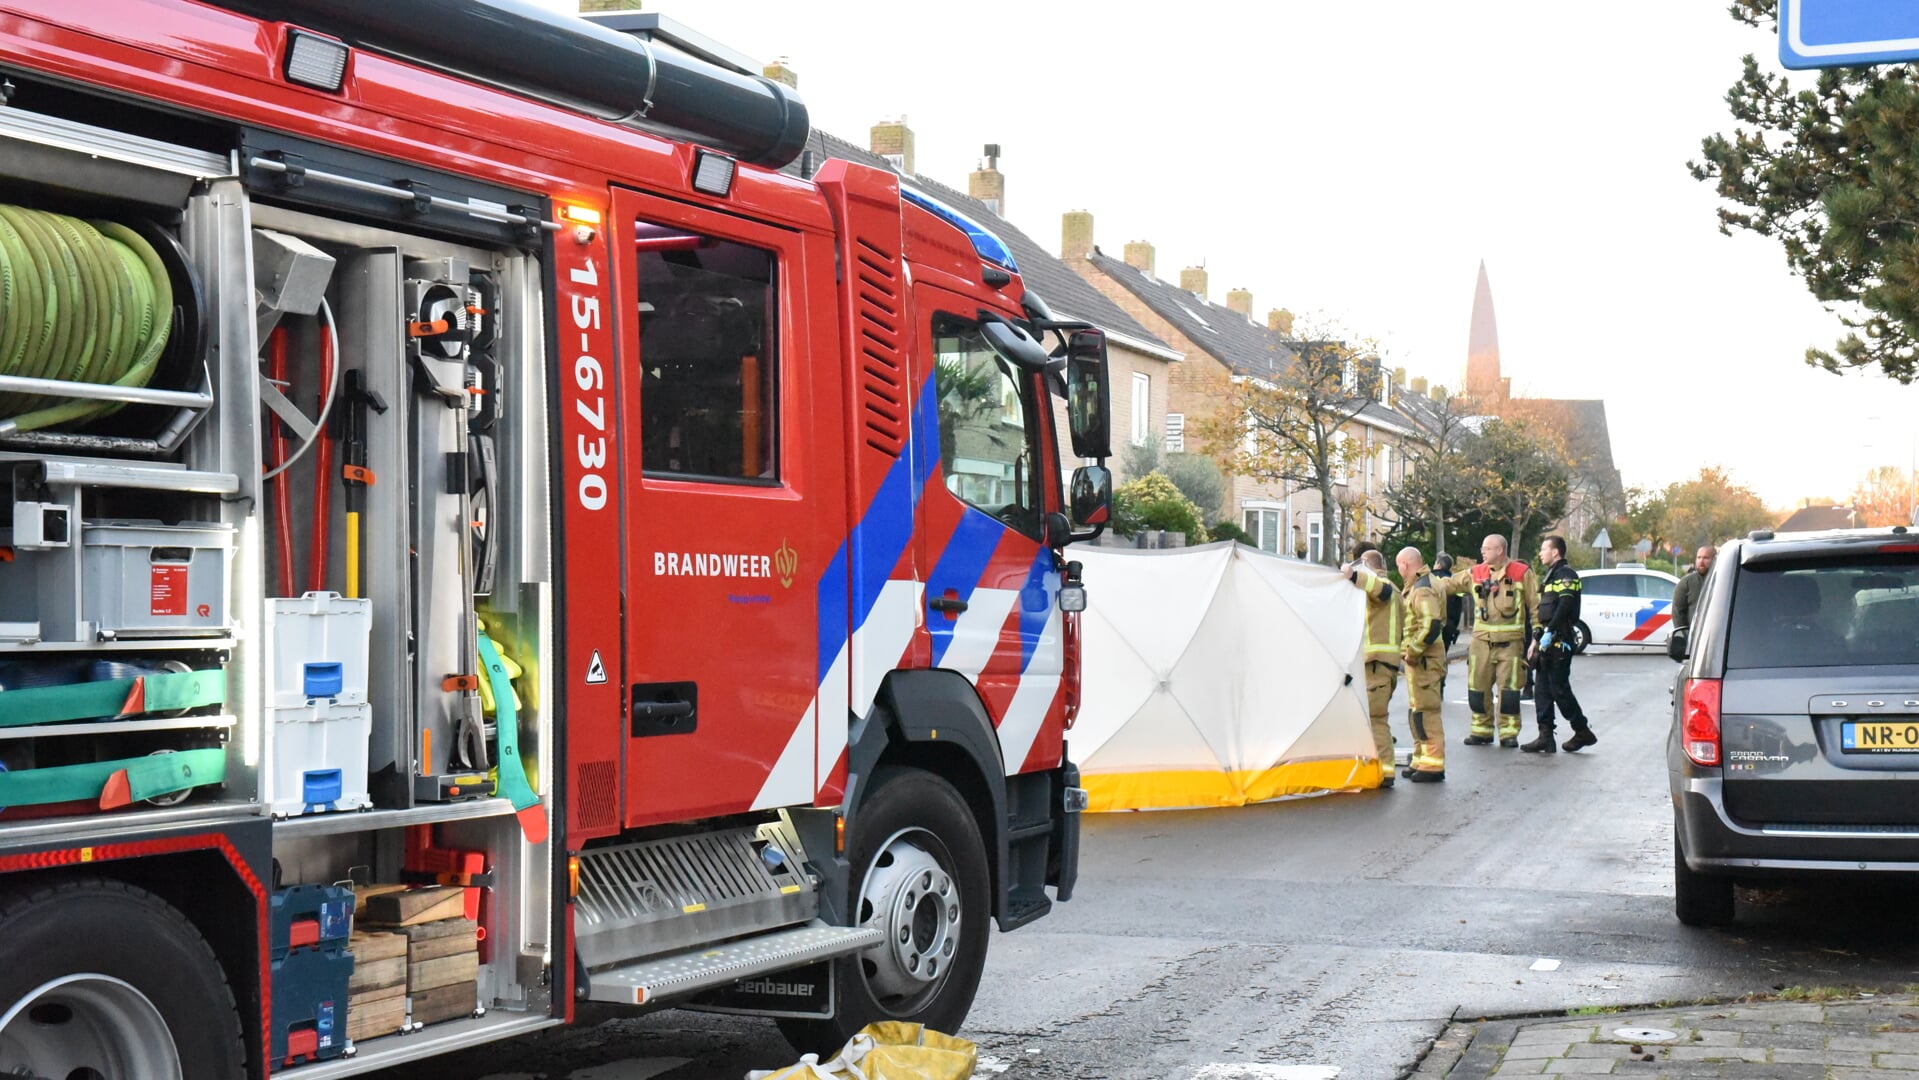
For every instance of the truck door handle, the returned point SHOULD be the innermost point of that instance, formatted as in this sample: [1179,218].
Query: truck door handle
[947,604]
[671,708]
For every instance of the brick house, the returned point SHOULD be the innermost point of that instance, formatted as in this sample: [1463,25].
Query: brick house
[1223,344]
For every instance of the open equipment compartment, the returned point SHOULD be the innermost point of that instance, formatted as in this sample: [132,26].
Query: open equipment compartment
[122,677]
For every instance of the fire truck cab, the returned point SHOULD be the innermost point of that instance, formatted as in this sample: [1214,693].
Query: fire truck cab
[481,538]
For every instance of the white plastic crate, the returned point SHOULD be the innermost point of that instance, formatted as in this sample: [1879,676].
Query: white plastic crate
[319,758]
[316,650]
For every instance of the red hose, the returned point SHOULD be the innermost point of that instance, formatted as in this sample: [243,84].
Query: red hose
[277,454]
[323,468]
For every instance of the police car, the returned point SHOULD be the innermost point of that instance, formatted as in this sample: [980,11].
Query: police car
[1624,607]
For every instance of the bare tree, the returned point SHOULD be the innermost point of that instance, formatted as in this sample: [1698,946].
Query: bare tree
[1291,429]
[1438,477]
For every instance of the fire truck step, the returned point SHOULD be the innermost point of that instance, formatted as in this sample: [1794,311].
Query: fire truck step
[660,896]
[666,977]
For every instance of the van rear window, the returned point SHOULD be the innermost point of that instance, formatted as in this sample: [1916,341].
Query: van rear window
[1863,610]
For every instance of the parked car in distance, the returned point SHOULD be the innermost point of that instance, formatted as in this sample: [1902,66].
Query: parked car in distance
[1794,749]
[1624,606]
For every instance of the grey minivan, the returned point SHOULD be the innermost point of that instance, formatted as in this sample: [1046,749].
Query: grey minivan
[1795,739]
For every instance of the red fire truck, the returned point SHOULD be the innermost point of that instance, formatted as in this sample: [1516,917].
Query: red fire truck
[483,538]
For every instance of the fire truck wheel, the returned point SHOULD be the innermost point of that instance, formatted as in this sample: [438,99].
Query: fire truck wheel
[920,876]
[105,979]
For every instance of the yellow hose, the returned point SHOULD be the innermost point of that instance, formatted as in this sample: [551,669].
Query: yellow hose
[79,301]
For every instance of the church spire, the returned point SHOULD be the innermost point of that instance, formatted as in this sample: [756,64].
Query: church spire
[1483,381]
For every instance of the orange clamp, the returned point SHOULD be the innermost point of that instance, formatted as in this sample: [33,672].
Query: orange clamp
[457,684]
[426,328]
[358,474]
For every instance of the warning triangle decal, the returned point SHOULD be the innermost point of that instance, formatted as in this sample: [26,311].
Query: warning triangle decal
[595,669]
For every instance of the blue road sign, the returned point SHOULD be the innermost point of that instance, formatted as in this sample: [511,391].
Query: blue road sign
[1845,33]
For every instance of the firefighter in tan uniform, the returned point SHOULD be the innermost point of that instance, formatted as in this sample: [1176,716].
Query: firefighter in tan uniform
[1382,650]
[1505,596]
[1423,651]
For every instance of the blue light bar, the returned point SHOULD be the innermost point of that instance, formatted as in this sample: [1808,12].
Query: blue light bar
[985,244]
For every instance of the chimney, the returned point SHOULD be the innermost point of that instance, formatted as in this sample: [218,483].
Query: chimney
[780,71]
[1075,234]
[1419,386]
[1279,321]
[1139,256]
[986,184]
[1440,394]
[1240,300]
[893,140]
[1193,280]
[1399,377]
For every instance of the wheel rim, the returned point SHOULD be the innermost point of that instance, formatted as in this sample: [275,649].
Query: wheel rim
[87,1027]
[911,896]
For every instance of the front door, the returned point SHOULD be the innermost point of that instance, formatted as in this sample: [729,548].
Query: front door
[733,444]
[992,587]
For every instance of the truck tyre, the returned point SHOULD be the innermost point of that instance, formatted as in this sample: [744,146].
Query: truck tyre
[1698,899]
[106,980]
[919,874]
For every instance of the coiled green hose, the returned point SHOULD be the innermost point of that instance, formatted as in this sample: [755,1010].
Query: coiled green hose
[80,301]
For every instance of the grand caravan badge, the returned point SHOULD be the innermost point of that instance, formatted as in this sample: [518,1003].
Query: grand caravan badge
[735,566]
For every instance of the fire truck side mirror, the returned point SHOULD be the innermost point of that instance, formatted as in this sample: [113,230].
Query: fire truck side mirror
[1014,344]
[1088,397]
[1092,500]
[1058,530]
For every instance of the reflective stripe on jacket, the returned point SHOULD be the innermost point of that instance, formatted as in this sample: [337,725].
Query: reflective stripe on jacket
[1559,601]
[1382,616]
[1424,616]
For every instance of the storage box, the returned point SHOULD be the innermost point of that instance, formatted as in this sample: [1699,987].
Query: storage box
[145,579]
[318,758]
[310,916]
[316,650]
[310,1005]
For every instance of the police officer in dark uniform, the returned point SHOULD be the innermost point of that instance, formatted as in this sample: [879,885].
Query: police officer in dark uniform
[1552,652]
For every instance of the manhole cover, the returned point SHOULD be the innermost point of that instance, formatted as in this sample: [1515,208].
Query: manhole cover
[1644,1035]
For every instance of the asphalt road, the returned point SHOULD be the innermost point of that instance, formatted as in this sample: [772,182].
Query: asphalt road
[1343,932]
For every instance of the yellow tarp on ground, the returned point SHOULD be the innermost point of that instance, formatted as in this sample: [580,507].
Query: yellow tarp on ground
[1219,676]
[887,1050]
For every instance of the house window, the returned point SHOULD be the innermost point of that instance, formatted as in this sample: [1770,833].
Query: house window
[1142,403]
[1262,524]
[1315,535]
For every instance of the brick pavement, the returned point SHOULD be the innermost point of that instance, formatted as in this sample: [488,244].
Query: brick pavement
[1860,1038]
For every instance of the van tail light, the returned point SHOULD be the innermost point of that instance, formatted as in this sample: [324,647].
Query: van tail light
[1699,727]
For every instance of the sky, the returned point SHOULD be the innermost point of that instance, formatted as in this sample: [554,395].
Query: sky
[1354,161]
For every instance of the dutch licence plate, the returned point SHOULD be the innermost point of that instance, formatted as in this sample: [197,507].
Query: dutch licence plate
[1899,738]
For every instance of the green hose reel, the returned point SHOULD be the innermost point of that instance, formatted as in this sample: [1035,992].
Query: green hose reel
[80,302]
